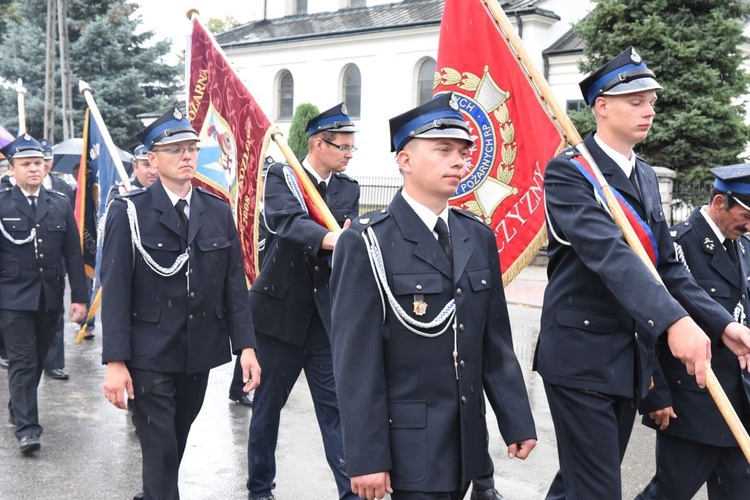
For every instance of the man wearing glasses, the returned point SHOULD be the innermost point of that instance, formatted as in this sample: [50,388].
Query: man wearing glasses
[291,303]
[174,301]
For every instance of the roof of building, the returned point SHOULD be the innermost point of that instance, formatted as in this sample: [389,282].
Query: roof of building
[569,43]
[351,21]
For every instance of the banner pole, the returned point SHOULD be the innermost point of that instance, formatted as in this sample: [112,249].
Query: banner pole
[114,152]
[20,94]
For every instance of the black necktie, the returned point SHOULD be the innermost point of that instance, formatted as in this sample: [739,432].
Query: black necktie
[732,252]
[634,181]
[32,199]
[322,188]
[444,238]
[180,207]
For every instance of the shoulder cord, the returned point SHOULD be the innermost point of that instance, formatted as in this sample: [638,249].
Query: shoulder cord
[135,233]
[291,182]
[378,269]
[680,254]
[10,238]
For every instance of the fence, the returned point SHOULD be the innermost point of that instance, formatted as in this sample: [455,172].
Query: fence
[686,196]
[376,192]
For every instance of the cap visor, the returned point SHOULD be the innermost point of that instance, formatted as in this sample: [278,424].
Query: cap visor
[633,86]
[29,154]
[446,133]
[171,139]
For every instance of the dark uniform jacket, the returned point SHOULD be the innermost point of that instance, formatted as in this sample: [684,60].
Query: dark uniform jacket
[603,309]
[32,268]
[166,324]
[698,418]
[402,409]
[293,279]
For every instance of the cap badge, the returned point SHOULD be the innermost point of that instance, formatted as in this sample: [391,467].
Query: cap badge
[26,137]
[635,57]
[454,103]
[177,115]
[344,111]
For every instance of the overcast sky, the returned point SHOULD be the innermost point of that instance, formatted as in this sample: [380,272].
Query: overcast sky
[167,18]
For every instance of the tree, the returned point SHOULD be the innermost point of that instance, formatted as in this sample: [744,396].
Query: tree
[693,46]
[297,134]
[216,25]
[124,69]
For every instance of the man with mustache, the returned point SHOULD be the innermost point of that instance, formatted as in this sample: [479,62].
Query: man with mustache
[693,442]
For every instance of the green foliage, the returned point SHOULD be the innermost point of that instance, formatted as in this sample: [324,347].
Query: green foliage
[693,46]
[216,25]
[297,135]
[124,69]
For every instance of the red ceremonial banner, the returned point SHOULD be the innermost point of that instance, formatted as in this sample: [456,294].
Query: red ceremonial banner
[514,136]
[234,133]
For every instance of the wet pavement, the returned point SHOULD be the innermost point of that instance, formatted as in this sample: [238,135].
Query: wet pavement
[89,449]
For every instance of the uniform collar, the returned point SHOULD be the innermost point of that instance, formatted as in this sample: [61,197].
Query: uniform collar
[425,214]
[626,164]
[712,225]
[173,198]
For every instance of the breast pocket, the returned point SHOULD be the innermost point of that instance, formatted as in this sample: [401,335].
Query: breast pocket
[215,252]
[481,282]
[163,249]
[416,292]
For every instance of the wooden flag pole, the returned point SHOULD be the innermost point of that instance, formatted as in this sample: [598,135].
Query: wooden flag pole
[560,117]
[21,93]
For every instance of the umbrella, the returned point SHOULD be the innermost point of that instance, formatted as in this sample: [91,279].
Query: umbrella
[67,156]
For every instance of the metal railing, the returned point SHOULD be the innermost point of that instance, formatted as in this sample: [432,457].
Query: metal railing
[686,196]
[376,192]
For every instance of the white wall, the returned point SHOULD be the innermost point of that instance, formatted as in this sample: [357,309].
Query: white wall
[388,62]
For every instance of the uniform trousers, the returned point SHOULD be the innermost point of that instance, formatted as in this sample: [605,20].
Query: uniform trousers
[164,408]
[56,353]
[418,495]
[592,431]
[282,363]
[27,335]
[682,466]
[237,386]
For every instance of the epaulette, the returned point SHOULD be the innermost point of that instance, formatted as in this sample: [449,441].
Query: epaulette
[58,193]
[364,221]
[679,230]
[5,189]
[206,191]
[468,214]
[342,175]
[131,193]
[570,152]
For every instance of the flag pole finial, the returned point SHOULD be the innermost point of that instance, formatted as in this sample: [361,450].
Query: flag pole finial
[192,13]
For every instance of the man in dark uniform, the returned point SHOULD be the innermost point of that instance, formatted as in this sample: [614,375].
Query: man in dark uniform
[144,174]
[419,326]
[603,309]
[38,233]
[290,299]
[693,442]
[173,302]
[54,364]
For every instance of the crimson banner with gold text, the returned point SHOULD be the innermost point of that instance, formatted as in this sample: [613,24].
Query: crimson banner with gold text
[234,134]
[514,136]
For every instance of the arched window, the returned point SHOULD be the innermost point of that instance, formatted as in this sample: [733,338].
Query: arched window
[425,76]
[285,96]
[352,90]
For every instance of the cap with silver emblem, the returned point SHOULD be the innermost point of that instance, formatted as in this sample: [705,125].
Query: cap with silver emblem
[626,73]
[438,118]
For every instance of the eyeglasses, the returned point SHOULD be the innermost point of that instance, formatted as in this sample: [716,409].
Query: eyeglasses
[343,149]
[191,150]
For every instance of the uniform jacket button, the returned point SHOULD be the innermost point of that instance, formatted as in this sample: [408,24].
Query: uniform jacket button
[650,324]
[462,364]
[190,317]
[317,268]
[463,399]
[586,322]
[459,292]
[419,287]
[461,327]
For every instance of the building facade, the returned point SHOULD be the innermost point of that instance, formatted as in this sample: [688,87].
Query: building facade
[379,58]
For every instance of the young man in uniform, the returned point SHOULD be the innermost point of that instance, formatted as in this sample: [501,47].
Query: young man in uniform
[420,329]
[603,309]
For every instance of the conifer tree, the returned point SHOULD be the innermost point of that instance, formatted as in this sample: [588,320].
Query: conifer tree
[693,46]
